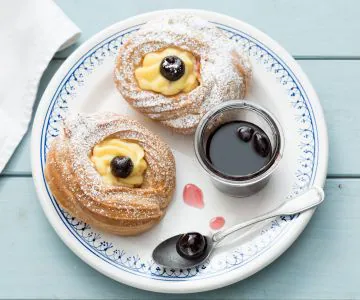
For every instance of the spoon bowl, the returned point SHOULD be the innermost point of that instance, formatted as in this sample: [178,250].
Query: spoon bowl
[165,254]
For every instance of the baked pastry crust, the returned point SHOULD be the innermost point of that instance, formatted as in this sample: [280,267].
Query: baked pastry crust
[79,188]
[225,71]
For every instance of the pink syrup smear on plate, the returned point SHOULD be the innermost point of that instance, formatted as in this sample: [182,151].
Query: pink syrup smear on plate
[193,196]
[217,223]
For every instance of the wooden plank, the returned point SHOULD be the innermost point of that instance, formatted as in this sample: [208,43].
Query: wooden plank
[302,27]
[322,263]
[335,82]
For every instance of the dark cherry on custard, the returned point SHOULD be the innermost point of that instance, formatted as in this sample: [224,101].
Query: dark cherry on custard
[191,245]
[172,68]
[121,166]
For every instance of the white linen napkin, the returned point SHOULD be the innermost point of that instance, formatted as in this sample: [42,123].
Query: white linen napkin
[31,32]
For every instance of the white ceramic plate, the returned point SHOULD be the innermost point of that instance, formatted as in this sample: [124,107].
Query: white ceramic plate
[84,83]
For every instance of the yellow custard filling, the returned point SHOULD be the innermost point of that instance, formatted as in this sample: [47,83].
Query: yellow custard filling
[106,150]
[149,77]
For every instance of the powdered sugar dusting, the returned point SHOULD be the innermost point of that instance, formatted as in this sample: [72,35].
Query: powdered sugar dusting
[70,169]
[224,70]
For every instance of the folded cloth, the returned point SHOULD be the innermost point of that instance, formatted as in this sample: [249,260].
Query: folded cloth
[31,32]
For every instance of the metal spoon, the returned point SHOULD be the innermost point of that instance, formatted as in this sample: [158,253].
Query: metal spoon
[165,254]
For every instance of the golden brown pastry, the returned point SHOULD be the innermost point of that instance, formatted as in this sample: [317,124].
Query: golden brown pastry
[111,172]
[175,68]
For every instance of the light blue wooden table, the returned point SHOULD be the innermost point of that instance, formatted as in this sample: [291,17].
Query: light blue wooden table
[324,263]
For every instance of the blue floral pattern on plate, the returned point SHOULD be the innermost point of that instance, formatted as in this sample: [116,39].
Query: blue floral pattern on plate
[306,169]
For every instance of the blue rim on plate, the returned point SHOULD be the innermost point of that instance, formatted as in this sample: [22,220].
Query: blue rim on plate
[82,231]
[307,165]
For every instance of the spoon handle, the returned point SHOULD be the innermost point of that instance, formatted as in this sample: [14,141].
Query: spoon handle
[311,198]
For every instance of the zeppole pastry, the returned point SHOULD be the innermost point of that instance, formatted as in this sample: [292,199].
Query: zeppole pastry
[111,172]
[175,68]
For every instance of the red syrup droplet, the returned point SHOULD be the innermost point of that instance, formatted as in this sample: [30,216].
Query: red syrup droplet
[193,196]
[217,223]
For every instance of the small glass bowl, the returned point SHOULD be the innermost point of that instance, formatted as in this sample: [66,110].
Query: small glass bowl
[238,110]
